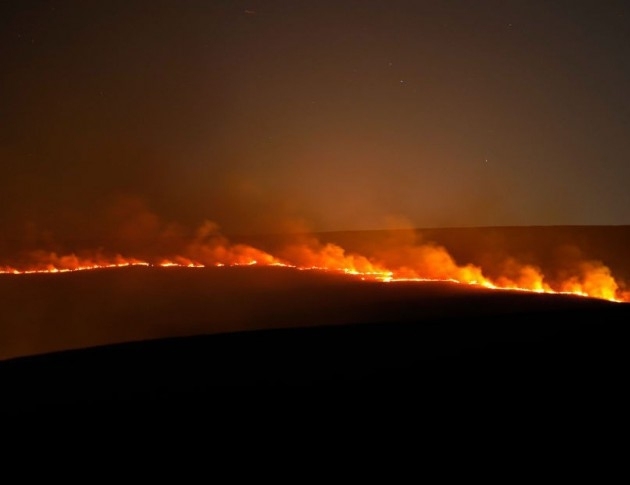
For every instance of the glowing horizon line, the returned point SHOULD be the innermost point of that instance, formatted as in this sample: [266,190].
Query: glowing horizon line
[384,276]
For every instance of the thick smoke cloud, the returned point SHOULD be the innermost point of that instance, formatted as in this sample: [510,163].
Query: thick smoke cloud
[132,234]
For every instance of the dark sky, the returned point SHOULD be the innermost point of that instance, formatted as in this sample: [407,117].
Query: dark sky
[344,114]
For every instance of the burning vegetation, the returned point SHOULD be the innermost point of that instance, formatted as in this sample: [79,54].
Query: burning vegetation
[402,257]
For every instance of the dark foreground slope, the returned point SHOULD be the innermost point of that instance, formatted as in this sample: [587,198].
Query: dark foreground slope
[125,336]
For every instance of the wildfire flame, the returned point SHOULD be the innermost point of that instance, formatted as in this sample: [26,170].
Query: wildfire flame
[411,262]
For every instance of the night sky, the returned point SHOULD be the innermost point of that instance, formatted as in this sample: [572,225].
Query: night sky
[334,115]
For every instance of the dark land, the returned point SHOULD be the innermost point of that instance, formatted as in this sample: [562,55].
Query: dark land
[150,334]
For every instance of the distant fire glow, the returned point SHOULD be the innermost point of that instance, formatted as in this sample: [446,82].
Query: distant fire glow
[419,262]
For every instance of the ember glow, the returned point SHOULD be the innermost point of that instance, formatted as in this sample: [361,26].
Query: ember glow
[43,262]
[396,263]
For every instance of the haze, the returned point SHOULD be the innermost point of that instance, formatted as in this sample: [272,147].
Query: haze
[338,115]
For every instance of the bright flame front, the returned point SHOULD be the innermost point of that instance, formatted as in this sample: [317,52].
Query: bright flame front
[419,263]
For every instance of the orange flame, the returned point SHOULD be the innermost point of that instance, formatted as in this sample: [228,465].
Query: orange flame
[50,262]
[404,262]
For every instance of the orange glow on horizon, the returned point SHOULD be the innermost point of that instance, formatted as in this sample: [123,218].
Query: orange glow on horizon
[423,263]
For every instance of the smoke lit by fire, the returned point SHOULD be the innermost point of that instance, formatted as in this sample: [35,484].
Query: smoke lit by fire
[402,260]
